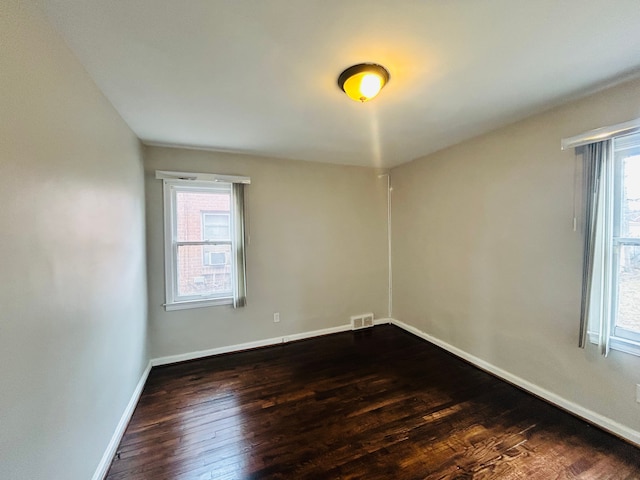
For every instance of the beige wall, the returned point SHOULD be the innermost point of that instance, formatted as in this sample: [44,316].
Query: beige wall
[317,251]
[73,294]
[485,258]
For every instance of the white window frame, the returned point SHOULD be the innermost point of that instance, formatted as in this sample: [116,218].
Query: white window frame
[172,299]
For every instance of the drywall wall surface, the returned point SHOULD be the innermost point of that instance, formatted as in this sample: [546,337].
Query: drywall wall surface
[485,257]
[72,271]
[317,250]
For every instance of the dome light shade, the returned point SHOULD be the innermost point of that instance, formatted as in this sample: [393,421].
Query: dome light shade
[364,81]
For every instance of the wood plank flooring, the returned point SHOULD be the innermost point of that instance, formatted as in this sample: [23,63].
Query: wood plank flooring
[376,404]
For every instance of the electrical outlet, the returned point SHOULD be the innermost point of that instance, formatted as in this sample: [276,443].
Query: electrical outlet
[638,393]
[276,317]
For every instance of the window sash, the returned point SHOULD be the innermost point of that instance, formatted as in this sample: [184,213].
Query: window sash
[221,298]
[618,331]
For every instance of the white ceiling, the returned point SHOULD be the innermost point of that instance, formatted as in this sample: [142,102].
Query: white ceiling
[259,76]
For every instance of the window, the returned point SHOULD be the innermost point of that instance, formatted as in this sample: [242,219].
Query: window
[613,224]
[204,240]
[626,238]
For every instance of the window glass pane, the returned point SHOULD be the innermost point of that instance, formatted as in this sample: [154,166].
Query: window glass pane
[630,193]
[190,208]
[204,270]
[628,311]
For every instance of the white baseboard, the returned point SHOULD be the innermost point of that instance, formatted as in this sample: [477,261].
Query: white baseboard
[249,345]
[382,321]
[182,357]
[590,416]
[105,462]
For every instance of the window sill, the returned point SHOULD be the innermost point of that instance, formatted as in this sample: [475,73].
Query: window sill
[210,302]
[619,344]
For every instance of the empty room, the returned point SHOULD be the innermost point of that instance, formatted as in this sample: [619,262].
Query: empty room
[319,239]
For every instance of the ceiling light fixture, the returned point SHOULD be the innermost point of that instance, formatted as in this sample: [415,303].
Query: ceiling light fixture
[364,81]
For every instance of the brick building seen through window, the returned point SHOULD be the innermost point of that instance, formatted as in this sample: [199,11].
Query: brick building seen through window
[204,269]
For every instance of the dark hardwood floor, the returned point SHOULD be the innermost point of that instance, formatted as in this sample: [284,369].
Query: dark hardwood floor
[376,404]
